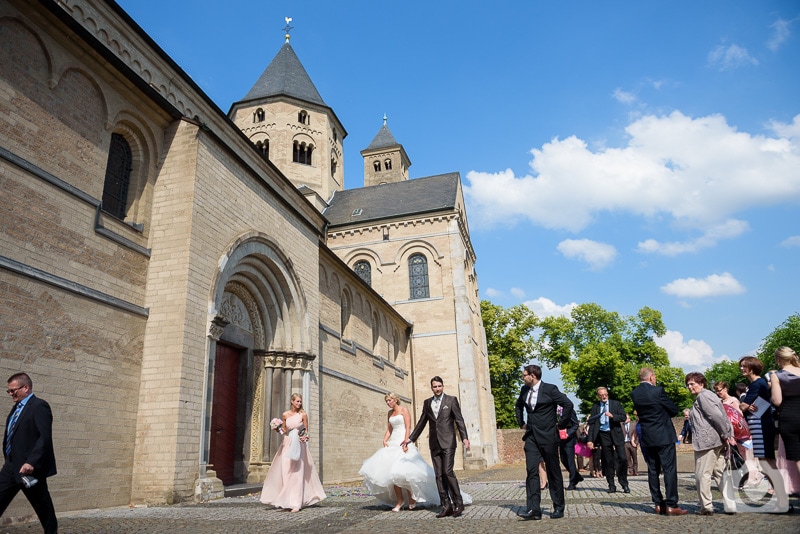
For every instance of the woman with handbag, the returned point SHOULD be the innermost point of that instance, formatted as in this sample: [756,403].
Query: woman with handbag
[711,431]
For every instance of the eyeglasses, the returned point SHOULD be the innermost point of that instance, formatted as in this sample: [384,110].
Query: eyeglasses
[14,390]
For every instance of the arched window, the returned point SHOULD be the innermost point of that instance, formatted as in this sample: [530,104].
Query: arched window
[345,313]
[418,277]
[263,147]
[395,345]
[364,271]
[377,166]
[387,165]
[301,153]
[259,115]
[303,117]
[118,177]
[333,167]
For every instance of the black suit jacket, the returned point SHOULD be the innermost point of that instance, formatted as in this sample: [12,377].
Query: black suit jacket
[442,432]
[614,423]
[655,411]
[543,421]
[32,442]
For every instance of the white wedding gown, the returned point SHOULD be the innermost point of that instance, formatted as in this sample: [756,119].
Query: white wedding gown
[390,466]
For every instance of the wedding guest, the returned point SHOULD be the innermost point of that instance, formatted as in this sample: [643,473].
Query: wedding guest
[655,411]
[711,430]
[785,395]
[535,410]
[686,432]
[292,481]
[757,406]
[631,446]
[745,447]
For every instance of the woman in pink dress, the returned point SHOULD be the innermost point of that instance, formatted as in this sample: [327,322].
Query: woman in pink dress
[292,481]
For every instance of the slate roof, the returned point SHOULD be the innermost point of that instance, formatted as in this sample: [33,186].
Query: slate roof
[286,76]
[383,139]
[397,199]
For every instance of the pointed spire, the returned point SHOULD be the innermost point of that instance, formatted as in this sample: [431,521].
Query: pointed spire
[285,76]
[384,138]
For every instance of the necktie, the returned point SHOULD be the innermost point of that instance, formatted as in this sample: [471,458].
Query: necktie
[436,402]
[603,417]
[532,398]
[12,427]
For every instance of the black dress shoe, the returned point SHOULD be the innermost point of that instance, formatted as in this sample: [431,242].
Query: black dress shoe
[557,514]
[530,515]
[457,511]
[571,487]
[446,511]
[626,489]
[580,478]
[612,489]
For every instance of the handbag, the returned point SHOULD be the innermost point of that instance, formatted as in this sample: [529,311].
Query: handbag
[562,433]
[582,449]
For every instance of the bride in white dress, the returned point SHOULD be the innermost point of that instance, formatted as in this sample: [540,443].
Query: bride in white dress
[397,475]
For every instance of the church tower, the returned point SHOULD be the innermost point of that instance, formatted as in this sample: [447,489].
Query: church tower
[285,117]
[385,160]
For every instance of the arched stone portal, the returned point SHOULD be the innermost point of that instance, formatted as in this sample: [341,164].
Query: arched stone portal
[259,333]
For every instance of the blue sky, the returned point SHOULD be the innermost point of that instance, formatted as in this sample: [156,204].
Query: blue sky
[626,153]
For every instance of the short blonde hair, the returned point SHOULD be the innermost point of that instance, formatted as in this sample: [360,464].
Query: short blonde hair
[786,356]
[394,397]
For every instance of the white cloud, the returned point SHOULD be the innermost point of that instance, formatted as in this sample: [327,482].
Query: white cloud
[730,57]
[700,171]
[597,255]
[789,131]
[727,230]
[713,285]
[544,307]
[690,355]
[491,292]
[780,34]
[623,97]
[793,241]
[517,292]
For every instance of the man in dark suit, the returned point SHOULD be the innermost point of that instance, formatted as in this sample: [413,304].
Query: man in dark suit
[655,411]
[566,448]
[28,449]
[444,415]
[539,402]
[607,417]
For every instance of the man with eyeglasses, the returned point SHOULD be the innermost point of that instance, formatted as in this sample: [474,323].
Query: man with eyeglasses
[28,451]
[536,412]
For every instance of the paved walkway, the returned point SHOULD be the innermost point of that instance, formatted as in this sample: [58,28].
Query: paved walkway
[498,494]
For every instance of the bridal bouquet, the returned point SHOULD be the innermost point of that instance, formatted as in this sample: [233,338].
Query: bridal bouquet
[277,425]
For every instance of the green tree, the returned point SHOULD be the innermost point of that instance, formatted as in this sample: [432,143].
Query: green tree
[787,334]
[595,347]
[509,341]
[725,371]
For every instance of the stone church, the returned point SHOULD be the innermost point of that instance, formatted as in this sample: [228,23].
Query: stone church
[170,273]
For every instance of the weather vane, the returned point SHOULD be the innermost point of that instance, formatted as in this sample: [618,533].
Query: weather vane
[288,28]
[384,119]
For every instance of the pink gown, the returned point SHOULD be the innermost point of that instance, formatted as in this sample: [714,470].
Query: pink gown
[292,484]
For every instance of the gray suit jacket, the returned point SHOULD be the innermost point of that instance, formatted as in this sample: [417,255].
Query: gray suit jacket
[442,431]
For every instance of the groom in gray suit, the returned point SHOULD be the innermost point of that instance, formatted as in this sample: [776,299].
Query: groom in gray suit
[444,414]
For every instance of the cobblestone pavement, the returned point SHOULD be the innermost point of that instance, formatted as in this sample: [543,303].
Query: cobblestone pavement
[498,494]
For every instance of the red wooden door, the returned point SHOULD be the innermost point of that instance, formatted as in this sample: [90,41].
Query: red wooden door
[222,449]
